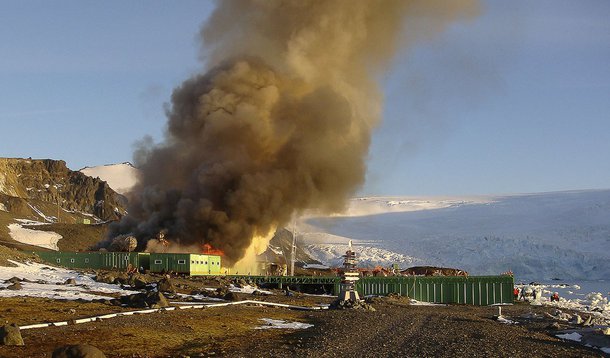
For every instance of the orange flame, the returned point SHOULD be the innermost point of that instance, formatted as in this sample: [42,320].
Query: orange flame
[207,249]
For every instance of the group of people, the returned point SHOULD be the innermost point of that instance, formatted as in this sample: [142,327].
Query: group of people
[532,294]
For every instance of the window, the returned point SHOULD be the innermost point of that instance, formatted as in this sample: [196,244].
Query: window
[58,260]
[72,260]
[192,261]
[126,258]
[86,261]
[206,263]
[157,262]
[181,262]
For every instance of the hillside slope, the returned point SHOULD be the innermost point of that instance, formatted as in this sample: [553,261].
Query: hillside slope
[44,204]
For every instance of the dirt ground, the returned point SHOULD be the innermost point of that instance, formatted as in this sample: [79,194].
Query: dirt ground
[395,329]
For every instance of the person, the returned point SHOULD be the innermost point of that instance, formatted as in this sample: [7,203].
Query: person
[555,297]
[516,293]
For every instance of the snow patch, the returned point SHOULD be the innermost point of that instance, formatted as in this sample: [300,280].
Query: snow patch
[48,283]
[28,222]
[505,320]
[3,207]
[316,266]
[120,177]
[248,289]
[279,324]
[276,250]
[41,214]
[574,336]
[46,239]
[414,302]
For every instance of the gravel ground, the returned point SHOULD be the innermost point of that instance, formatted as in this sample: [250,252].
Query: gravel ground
[429,331]
[395,329]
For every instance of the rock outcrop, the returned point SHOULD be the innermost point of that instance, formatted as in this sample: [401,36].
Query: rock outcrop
[29,183]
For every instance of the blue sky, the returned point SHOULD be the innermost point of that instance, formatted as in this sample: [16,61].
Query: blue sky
[515,100]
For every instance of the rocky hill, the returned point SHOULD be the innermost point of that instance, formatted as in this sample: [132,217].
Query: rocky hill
[47,190]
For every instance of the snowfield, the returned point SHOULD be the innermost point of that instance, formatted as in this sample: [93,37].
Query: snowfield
[120,177]
[47,281]
[562,235]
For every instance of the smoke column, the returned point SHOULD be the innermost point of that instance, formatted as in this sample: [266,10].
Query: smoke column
[281,121]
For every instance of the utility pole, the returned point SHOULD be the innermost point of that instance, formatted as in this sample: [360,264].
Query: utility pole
[294,246]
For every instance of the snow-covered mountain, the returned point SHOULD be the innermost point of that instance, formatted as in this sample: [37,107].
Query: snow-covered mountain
[120,177]
[562,235]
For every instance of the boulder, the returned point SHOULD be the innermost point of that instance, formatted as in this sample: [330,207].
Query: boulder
[16,286]
[10,335]
[351,305]
[576,319]
[137,281]
[156,300]
[166,285]
[13,279]
[105,277]
[145,300]
[70,281]
[236,296]
[78,351]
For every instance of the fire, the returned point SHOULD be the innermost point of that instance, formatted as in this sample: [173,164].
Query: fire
[209,250]
[247,264]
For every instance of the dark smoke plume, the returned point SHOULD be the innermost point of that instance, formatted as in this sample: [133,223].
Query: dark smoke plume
[279,124]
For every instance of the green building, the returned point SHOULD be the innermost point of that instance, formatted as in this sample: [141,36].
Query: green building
[96,260]
[191,264]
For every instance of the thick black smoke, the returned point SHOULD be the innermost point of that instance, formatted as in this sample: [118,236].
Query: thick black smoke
[280,124]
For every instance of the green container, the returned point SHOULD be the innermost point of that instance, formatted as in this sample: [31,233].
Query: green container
[190,264]
[473,290]
[96,260]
